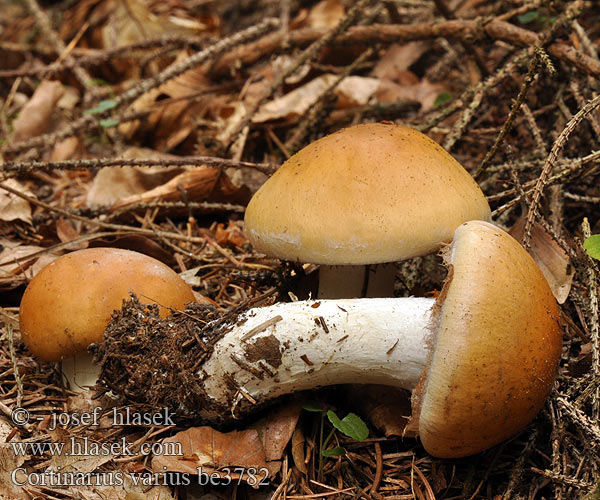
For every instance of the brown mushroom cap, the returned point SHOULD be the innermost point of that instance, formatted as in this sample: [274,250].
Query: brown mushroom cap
[364,195]
[69,302]
[496,348]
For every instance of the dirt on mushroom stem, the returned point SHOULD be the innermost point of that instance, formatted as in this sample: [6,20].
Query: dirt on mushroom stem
[148,362]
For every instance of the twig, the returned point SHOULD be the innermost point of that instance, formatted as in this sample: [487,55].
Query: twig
[463,29]
[594,329]
[168,42]
[309,118]
[529,79]
[15,365]
[49,34]
[350,18]
[559,144]
[116,227]
[145,85]
[29,166]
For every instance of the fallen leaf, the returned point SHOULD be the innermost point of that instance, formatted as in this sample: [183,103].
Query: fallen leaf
[298,450]
[13,207]
[397,59]
[552,260]
[173,108]
[275,430]
[112,184]
[232,235]
[351,91]
[197,184]
[209,450]
[325,14]
[11,265]
[67,149]
[387,408]
[423,92]
[73,458]
[66,232]
[136,20]
[9,462]
[35,117]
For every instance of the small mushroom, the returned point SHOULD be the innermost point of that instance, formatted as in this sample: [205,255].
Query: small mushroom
[68,304]
[480,359]
[368,194]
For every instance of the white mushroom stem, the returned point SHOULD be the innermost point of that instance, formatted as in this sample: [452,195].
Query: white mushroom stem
[289,347]
[375,280]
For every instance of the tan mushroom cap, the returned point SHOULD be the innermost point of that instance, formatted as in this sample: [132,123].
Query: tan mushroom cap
[69,302]
[364,195]
[496,348]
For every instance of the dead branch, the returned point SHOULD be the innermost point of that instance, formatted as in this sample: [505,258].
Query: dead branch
[463,29]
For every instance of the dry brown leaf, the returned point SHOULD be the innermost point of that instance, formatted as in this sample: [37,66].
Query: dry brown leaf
[275,430]
[552,260]
[9,462]
[197,184]
[136,20]
[325,14]
[173,108]
[67,149]
[66,232]
[208,450]
[232,235]
[397,59]
[387,408]
[298,450]
[12,251]
[129,490]
[423,92]
[70,460]
[351,91]
[35,117]
[13,207]
[113,184]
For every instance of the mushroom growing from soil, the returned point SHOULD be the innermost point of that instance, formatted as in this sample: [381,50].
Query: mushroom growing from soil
[480,359]
[368,194]
[68,304]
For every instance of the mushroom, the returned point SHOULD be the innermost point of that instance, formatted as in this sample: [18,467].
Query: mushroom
[368,194]
[68,304]
[480,359]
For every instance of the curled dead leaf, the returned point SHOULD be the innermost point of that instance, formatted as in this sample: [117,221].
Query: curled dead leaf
[398,58]
[66,232]
[112,184]
[212,452]
[552,260]
[14,262]
[351,91]
[35,117]
[232,235]
[298,450]
[196,184]
[13,207]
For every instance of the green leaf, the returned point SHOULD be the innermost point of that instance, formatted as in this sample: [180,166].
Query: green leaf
[102,106]
[315,406]
[100,82]
[528,17]
[109,122]
[338,451]
[351,425]
[442,98]
[592,245]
